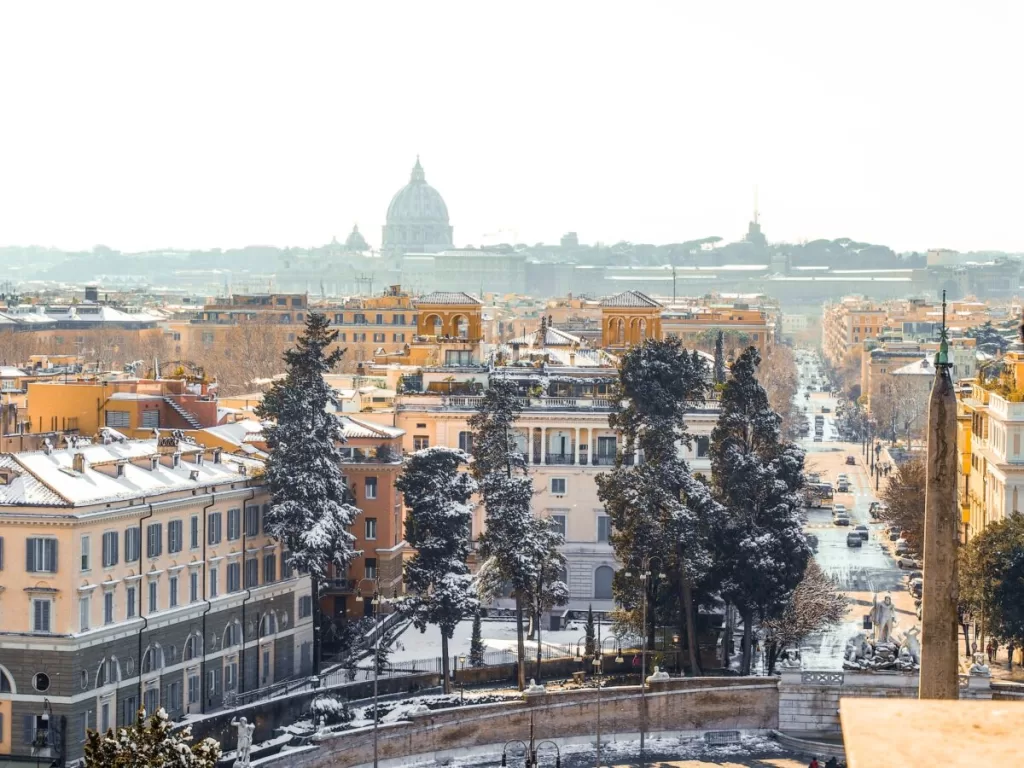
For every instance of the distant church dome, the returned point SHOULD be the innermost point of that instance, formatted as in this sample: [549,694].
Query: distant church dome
[417,219]
[356,241]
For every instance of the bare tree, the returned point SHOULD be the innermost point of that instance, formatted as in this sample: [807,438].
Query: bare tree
[904,499]
[778,375]
[815,605]
[251,350]
[900,405]
[16,347]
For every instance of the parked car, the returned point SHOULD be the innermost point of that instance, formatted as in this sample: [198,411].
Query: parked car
[873,509]
[851,460]
[842,476]
[826,409]
[862,531]
[853,540]
[817,437]
[839,509]
[907,562]
[916,587]
[894,536]
[902,547]
[911,575]
[842,520]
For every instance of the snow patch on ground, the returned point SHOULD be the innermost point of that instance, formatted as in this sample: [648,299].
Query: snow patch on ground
[497,636]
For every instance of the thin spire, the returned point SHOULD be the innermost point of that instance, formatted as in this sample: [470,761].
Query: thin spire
[417,171]
[942,358]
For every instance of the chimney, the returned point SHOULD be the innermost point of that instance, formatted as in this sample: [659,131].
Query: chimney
[154,462]
[78,462]
[176,459]
[216,455]
[193,474]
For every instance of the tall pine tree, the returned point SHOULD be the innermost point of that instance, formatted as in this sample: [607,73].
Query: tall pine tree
[757,477]
[719,358]
[437,526]
[309,510]
[659,511]
[515,546]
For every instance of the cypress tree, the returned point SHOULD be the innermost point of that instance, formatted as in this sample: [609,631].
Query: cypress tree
[476,643]
[720,358]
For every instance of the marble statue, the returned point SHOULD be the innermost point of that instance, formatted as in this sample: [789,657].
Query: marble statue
[858,648]
[534,688]
[979,668]
[883,617]
[245,730]
[910,646]
[657,675]
[790,661]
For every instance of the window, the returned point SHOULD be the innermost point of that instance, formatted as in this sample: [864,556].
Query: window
[213,529]
[268,625]
[419,442]
[466,442]
[213,582]
[380,319]
[117,419]
[174,696]
[371,568]
[604,527]
[110,549]
[234,524]
[129,603]
[154,540]
[41,608]
[269,568]
[153,659]
[252,573]
[193,532]
[193,689]
[252,521]
[359,318]
[603,583]
[398,319]
[703,446]
[108,608]
[193,587]
[151,699]
[175,536]
[84,607]
[305,607]
[370,488]
[173,585]
[341,336]
[129,707]
[606,446]
[398,337]
[230,674]
[151,419]
[207,337]
[232,634]
[85,553]
[557,523]
[131,545]
[41,555]
[234,577]
[379,337]
[153,602]
[358,337]
[370,525]
[286,565]
[458,357]
[558,486]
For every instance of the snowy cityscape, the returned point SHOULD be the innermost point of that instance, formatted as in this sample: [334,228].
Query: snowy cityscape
[443,385]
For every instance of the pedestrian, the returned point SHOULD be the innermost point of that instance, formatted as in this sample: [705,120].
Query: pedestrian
[814,763]
[832,763]
[990,649]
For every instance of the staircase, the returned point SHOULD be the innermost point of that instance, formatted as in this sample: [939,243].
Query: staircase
[188,416]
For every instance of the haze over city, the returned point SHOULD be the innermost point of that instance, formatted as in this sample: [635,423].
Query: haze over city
[199,126]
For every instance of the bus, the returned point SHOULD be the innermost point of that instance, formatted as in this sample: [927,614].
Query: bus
[818,495]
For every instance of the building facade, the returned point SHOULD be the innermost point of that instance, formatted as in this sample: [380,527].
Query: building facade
[137,573]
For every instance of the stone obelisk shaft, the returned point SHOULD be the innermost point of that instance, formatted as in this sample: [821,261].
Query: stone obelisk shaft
[939,673]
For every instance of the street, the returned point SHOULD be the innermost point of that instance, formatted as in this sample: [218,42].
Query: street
[860,571]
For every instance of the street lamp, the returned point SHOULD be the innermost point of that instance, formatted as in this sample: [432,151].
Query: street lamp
[375,601]
[462,689]
[645,572]
[597,662]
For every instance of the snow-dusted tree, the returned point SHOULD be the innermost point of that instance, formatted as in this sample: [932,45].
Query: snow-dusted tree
[514,544]
[719,370]
[657,508]
[757,478]
[548,590]
[815,605]
[476,643]
[439,586]
[309,511]
[151,743]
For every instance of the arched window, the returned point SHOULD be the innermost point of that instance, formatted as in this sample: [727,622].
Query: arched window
[191,649]
[642,327]
[108,672]
[603,583]
[232,634]
[6,686]
[153,660]
[620,332]
[268,625]
[460,326]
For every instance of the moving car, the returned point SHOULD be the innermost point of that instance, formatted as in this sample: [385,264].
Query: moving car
[862,531]
[839,509]
[853,540]
[851,460]
[907,562]
[902,547]
[843,486]
[842,519]
[873,509]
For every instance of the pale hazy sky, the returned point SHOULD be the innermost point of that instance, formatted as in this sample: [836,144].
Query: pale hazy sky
[220,124]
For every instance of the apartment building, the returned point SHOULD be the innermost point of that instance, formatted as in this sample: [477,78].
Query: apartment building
[846,325]
[372,463]
[136,573]
[741,326]
[990,442]
[364,325]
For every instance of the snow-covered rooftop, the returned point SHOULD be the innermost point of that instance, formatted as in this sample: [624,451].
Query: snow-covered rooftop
[358,428]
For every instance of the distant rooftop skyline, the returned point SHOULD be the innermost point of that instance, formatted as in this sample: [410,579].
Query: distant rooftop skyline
[143,126]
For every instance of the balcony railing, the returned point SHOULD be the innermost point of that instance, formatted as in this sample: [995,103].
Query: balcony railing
[559,458]
[603,461]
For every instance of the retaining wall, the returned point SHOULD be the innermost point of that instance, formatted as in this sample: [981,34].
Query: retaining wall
[740,704]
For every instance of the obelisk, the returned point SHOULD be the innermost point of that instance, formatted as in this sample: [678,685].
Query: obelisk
[939,672]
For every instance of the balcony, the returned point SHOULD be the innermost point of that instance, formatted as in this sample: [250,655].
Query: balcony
[1003,409]
[560,458]
[603,461]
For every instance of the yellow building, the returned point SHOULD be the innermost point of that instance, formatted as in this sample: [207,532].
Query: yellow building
[137,573]
[741,326]
[846,325]
[628,318]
